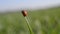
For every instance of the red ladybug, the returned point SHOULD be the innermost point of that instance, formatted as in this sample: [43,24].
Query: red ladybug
[24,12]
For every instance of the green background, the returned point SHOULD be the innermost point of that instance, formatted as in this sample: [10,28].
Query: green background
[46,21]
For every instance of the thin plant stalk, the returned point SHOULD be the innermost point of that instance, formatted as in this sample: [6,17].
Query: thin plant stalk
[30,29]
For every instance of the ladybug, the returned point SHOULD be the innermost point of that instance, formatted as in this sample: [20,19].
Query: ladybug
[24,12]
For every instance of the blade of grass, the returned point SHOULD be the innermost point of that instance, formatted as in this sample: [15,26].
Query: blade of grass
[30,29]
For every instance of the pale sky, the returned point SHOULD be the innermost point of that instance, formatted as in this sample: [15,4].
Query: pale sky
[17,4]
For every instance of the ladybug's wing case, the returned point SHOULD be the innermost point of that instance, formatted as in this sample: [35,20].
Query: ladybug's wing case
[24,13]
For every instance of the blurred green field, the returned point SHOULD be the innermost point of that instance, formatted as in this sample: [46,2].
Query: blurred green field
[42,22]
